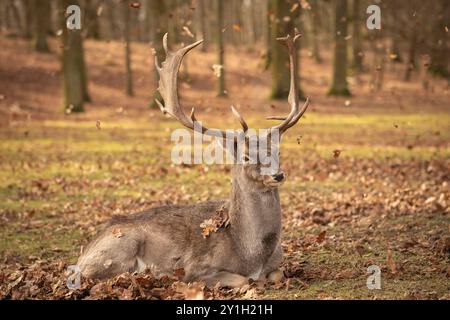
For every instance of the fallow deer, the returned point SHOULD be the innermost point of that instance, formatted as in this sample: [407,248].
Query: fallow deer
[168,238]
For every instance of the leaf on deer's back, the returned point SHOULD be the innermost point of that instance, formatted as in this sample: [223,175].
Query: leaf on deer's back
[117,233]
[220,219]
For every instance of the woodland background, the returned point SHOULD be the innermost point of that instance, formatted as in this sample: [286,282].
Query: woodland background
[368,167]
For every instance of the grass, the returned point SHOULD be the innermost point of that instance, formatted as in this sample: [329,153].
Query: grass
[64,171]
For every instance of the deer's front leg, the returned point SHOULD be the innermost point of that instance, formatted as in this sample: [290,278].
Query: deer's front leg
[272,271]
[226,279]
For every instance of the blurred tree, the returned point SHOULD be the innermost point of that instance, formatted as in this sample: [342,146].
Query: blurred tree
[221,92]
[41,25]
[126,37]
[91,19]
[315,28]
[158,15]
[339,86]
[72,65]
[281,24]
[201,27]
[357,37]
[439,63]
[28,18]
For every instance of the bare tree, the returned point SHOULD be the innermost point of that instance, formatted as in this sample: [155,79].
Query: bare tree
[357,37]
[72,66]
[41,23]
[340,86]
[221,92]
[126,36]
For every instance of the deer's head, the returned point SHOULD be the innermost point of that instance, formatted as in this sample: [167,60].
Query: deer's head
[256,157]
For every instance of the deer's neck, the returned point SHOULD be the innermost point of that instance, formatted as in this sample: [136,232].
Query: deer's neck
[255,219]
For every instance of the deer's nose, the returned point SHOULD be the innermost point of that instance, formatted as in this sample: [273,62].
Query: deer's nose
[278,177]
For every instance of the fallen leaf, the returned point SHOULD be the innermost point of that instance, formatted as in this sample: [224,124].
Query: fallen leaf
[321,237]
[392,265]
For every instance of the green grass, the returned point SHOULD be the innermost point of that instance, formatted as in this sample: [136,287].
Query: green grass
[63,164]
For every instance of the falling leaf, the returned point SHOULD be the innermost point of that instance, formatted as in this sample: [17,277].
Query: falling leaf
[135,5]
[237,27]
[100,10]
[336,153]
[217,68]
[97,124]
[294,7]
[393,56]
[321,237]
[305,4]
[188,32]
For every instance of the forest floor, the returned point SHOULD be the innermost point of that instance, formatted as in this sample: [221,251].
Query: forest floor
[382,200]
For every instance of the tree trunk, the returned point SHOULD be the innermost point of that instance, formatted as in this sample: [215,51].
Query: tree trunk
[357,37]
[91,19]
[315,31]
[41,23]
[126,35]
[201,28]
[72,65]
[220,50]
[280,25]
[29,17]
[158,12]
[439,63]
[412,54]
[339,85]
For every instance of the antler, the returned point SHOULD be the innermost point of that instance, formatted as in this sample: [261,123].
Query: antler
[295,114]
[168,88]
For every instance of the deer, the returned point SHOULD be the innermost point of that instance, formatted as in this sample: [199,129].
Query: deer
[168,238]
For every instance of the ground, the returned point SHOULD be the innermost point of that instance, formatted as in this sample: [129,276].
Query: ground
[367,175]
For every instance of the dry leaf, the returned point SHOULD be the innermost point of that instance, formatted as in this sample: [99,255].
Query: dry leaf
[217,68]
[336,153]
[391,262]
[321,237]
[191,291]
[117,233]
[135,5]
[219,220]
[294,7]
[188,32]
